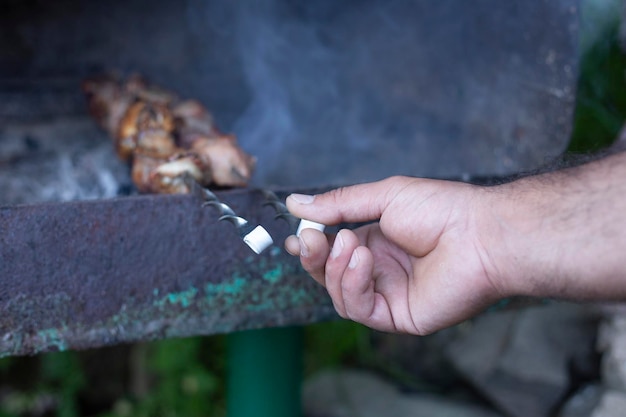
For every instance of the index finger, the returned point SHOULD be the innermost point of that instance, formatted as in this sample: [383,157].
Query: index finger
[356,203]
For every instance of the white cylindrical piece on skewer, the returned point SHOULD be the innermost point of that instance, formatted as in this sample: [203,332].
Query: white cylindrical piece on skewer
[308,224]
[258,239]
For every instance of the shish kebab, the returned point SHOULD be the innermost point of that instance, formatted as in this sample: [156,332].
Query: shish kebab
[174,147]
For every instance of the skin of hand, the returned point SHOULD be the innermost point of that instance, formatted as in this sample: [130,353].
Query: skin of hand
[420,268]
[439,252]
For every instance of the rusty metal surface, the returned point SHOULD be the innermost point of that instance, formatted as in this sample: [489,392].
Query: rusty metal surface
[85,274]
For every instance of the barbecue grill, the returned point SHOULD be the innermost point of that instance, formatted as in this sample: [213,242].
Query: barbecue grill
[322,93]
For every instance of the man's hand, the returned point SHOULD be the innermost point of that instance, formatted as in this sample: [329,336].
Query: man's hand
[441,251]
[421,267]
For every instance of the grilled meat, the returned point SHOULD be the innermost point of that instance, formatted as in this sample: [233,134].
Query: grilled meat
[165,138]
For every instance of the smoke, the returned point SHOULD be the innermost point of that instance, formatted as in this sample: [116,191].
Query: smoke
[335,90]
[267,121]
[293,79]
[330,86]
[61,160]
[339,92]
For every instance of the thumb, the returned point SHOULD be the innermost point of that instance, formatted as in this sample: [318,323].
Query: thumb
[356,203]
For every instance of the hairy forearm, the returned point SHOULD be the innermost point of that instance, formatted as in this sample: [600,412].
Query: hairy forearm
[561,234]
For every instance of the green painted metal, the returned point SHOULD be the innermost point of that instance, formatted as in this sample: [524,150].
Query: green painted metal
[265,373]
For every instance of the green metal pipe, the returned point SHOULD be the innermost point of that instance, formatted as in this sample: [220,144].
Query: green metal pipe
[265,373]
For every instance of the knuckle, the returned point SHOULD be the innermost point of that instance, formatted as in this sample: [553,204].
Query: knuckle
[346,287]
[339,310]
[353,314]
[316,272]
[396,181]
[337,195]
[420,328]
[336,269]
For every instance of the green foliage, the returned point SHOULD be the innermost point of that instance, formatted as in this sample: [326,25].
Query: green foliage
[56,383]
[183,377]
[601,96]
[61,372]
[6,364]
[335,343]
[183,384]
[186,386]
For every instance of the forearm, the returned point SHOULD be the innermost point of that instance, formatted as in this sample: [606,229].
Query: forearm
[561,234]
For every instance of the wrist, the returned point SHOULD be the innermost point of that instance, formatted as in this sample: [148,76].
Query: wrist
[561,234]
[519,231]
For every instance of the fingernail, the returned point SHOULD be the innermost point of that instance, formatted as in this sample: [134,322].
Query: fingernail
[304,249]
[337,246]
[354,260]
[302,198]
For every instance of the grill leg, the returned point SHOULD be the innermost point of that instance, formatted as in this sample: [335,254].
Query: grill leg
[265,373]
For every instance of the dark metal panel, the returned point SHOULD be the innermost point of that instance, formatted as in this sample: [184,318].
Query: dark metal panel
[369,88]
[86,274]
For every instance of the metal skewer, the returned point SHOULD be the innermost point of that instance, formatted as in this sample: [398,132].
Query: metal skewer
[281,210]
[296,225]
[256,237]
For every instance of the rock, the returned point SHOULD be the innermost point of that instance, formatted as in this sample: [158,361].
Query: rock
[612,404]
[612,343]
[521,360]
[355,393]
[582,402]
[421,359]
